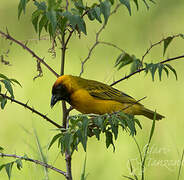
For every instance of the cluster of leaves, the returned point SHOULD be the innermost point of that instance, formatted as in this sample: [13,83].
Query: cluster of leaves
[125,59]
[55,16]
[4,80]
[8,166]
[82,126]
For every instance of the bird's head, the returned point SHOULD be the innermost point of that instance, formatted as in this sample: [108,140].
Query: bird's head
[59,92]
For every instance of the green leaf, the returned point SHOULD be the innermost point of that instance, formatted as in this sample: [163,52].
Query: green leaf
[3,76]
[8,168]
[3,102]
[97,133]
[41,6]
[51,16]
[1,148]
[153,127]
[97,13]
[15,81]
[43,22]
[91,15]
[114,126]
[136,3]
[127,4]
[136,64]
[80,23]
[35,17]
[123,60]
[80,6]
[138,123]
[182,36]
[153,70]
[105,10]
[0,87]
[84,132]
[167,41]
[19,164]
[21,7]
[173,70]
[167,72]
[54,140]
[111,1]
[160,68]
[2,166]
[67,142]
[131,125]
[8,86]
[146,4]
[109,139]
[75,20]
[62,24]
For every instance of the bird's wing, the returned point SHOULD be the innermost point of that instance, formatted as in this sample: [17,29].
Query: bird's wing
[102,91]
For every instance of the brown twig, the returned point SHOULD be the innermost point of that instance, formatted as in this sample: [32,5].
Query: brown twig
[31,109]
[157,43]
[142,69]
[34,161]
[96,41]
[7,36]
[111,44]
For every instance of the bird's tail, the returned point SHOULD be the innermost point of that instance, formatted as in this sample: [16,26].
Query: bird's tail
[150,114]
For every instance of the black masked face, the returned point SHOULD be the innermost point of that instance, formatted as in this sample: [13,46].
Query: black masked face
[59,93]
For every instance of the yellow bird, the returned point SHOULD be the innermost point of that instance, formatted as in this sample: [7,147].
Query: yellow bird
[89,96]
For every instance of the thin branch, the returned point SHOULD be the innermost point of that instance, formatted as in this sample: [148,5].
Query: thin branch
[63,52]
[7,36]
[96,41]
[68,160]
[31,109]
[142,69]
[111,44]
[157,43]
[34,161]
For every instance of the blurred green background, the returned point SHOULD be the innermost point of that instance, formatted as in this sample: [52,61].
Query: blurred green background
[131,33]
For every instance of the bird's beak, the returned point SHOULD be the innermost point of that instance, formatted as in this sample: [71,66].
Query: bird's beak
[53,101]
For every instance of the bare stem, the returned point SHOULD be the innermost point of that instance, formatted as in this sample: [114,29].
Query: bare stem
[157,43]
[142,69]
[96,41]
[24,46]
[34,161]
[31,109]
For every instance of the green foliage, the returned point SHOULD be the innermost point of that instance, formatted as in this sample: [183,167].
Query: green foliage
[152,68]
[8,167]
[55,19]
[167,41]
[82,127]
[126,59]
[1,148]
[7,82]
